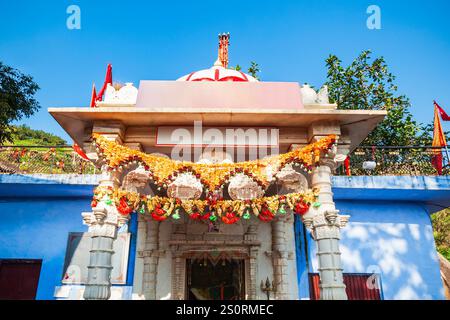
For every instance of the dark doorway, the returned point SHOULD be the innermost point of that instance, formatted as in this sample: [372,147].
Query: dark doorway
[219,279]
[19,279]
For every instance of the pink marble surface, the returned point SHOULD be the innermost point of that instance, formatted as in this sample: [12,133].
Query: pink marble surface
[220,95]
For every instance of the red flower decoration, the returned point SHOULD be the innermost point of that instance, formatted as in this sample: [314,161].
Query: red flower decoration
[123,207]
[230,218]
[195,215]
[266,215]
[301,208]
[159,214]
[94,203]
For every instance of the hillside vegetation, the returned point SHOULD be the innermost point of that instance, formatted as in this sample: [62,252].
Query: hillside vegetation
[25,136]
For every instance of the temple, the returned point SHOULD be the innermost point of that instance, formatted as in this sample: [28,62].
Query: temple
[225,185]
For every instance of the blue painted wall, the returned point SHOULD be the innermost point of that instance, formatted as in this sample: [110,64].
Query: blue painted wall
[38,229]
[393,239]
[388,233]
[36,226]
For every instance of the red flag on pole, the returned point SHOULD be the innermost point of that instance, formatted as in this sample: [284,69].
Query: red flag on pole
[108,79]
[444,115]
[347,166]
[93,96]
[438,140]
[79,151]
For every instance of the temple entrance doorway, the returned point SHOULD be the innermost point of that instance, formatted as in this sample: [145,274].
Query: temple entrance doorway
[215,279]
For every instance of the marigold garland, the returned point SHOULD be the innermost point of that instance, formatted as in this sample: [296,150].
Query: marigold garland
[227,211]
[213,176]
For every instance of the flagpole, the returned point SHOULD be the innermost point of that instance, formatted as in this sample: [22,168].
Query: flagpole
[445,146]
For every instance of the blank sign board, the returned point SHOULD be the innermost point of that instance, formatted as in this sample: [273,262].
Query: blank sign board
[77,258]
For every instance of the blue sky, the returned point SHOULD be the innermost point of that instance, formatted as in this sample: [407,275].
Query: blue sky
[163,40]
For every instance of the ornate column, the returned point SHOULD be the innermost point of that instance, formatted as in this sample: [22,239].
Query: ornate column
[279,258]
[103,222]
[325,223]
[250,237]
[138,280]
[151,258]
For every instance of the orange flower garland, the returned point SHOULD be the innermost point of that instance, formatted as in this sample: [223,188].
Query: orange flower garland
[212,176]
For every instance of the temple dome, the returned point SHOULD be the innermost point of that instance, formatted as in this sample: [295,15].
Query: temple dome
[218,73]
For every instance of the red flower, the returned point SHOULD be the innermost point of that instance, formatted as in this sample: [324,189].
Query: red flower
[301,208]
[195,215]
[205,216]
[94,203]
[266,215]
[230,218]
[123,207]
[159,214]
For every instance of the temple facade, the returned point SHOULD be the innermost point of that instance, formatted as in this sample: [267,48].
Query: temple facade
[220,186]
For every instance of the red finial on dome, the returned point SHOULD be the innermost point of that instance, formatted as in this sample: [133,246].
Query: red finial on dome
[224,41]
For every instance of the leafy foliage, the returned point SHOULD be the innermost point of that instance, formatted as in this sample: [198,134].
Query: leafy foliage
[24,135]
[253,70]
[16,99]
[367,84]
[441,228]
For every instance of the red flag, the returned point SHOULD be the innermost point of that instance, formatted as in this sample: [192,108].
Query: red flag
[438,141]
[347,166]
[93,96]
[444,115]
[80,152]
[108,79]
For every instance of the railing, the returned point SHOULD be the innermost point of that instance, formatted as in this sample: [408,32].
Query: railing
[387,160]
[43,159]
[395,160]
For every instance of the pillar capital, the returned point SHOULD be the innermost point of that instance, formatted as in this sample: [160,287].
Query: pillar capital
[114,131]
[321,129]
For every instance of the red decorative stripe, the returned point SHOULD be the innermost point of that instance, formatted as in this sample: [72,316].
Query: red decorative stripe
[233,78]
[216,75]
[243,74]
[189,76]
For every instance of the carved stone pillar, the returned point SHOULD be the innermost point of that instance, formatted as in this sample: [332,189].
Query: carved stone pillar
[151,259]
[279,258]
[325,223]
[250,236]
[178,274]
[103,223]
[139,264]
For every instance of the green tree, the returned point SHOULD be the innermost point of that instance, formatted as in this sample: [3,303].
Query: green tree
[254,70]
[16,99]
[441,231]
[367,84]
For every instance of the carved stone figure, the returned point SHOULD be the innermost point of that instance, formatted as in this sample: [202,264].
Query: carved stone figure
[185,186]
[243,187]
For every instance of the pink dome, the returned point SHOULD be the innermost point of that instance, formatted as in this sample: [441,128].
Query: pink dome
[218,73]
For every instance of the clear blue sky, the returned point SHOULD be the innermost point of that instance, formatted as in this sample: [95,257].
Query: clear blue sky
[162,40]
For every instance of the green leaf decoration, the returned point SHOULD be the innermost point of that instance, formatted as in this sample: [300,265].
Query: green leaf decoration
[176,216]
